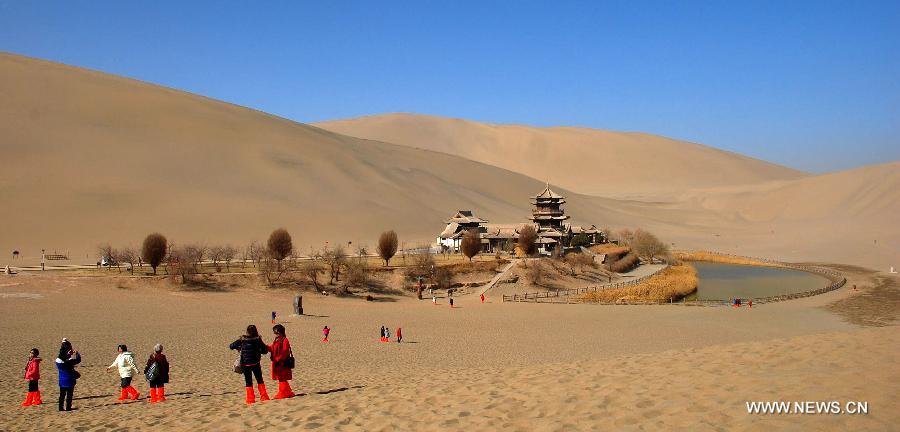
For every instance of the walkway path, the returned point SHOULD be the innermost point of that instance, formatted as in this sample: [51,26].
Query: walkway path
[497,278]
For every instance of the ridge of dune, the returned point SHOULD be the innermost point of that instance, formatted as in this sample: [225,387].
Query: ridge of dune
[88,158]
[589,161]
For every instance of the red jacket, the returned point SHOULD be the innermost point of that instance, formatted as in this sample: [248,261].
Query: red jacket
[279,351]
[33,369]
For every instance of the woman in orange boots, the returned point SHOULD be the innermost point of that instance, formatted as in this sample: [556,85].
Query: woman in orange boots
[124,364]
[32,375]
[157,375]
[252,348]
[282,362]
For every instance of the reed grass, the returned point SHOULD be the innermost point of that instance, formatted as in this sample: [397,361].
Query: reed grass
[671,284]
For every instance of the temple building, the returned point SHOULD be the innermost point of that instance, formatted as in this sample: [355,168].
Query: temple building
[547,217]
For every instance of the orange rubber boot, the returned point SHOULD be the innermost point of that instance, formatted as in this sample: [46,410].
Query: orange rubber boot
[37,398]
[134,393]
[29,398]
[124,394]
[153,398]
[263,395]
[251,397]
[288,392]
[161,394]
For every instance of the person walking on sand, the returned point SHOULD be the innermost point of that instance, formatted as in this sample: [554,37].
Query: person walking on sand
[433,298]
[282,362]
[382,334]
[399,334]
[325,332]
[482,297]
[124,362]
[451,302]
[252,348]
[387,334]
[68,376]
[157,373]
[32,375]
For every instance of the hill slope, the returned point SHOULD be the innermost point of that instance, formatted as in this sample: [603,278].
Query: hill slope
[589,161]
[88,158]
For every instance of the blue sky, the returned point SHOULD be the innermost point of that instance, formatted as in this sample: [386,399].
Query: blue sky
[811,85]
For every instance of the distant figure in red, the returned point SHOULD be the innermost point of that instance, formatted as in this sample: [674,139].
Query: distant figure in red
[32,375]
[325,332]
[482,297]
[282,362]
[750,303]
[399,335]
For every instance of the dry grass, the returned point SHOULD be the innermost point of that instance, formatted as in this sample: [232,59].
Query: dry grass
[610,249]
[672,283]
[724,259]
[627,263]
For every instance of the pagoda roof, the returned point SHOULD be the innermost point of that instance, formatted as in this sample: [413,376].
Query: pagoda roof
[584,229]
[547,193]
[465,217]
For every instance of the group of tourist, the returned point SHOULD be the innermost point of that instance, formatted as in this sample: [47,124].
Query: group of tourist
[156,371]
[386,334]
[251,348]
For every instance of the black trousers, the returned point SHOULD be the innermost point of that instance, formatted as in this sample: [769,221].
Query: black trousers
[65,394]
[32,386]
[157,384]
[250,372]
[126,382]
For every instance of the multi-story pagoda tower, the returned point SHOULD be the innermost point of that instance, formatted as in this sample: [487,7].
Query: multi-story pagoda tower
[547,213]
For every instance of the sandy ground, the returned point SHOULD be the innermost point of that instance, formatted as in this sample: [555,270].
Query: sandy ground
[484,366]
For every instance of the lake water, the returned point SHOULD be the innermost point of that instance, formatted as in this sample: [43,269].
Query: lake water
[725,281]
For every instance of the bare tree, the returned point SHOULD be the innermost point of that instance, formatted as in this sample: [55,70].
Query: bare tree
[154,250]
[216,254]
[280,245]
[310,271]
[107,253]
[625,236]
[647,245]
[334,259]
[127,255]
[228,254]
[387,246]
[442,278]
[536,273]
[471,244]
[184,260]
[256,252]
[357,273]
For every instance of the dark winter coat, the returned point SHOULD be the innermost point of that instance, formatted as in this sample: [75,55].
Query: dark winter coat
[280,350]
[162,364]
[252,349]
[66,370]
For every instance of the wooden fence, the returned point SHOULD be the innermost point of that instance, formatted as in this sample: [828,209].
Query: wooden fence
[565,296]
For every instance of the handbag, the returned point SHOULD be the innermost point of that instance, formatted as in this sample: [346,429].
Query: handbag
[152,372]
[289,361]
[237,368]
[76,374]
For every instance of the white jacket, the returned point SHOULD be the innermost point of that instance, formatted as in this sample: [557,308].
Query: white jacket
[125,362]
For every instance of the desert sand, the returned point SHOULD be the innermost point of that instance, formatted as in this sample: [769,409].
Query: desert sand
[587,161]
[90,158]
[483,366]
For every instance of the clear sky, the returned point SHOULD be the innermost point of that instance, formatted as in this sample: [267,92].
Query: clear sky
[811,85]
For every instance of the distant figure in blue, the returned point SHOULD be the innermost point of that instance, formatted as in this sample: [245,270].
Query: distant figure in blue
[273,317]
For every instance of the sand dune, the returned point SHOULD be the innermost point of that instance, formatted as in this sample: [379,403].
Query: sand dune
[589,161]
[88,158]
